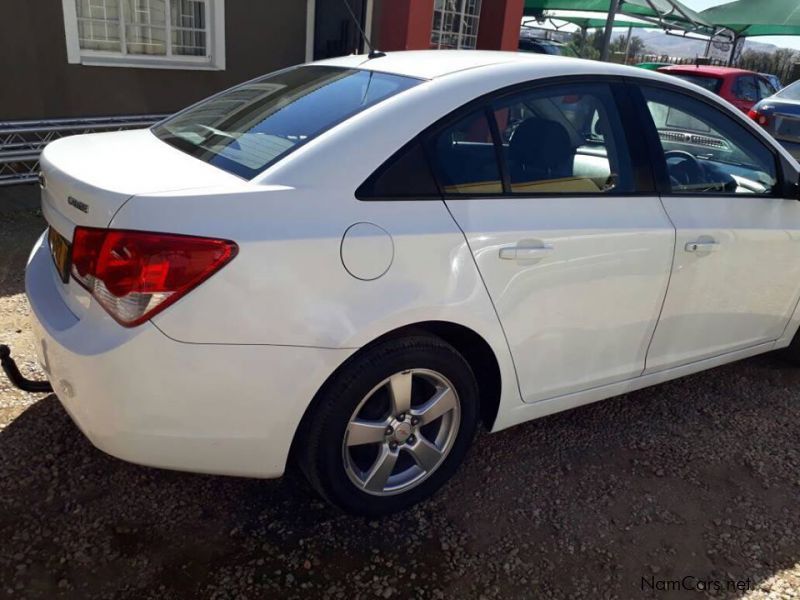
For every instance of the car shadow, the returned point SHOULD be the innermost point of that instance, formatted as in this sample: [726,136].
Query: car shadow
[696,478]
[21,223]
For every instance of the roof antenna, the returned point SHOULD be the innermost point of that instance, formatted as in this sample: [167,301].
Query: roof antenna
[373,53]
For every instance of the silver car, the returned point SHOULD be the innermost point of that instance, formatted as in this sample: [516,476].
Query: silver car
[780,116]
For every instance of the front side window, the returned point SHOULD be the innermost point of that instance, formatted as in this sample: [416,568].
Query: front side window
[564,140]
[180,33]
[455,24]
[705,150]
[765,89]
[249,127]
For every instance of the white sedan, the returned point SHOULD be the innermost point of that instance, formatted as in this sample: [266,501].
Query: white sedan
[353,263]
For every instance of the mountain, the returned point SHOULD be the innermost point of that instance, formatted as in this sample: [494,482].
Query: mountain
[658,42]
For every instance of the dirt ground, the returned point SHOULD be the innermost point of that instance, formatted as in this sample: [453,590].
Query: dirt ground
[688,489]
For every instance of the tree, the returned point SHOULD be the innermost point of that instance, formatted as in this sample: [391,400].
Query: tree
[583,45]
[618,45]
[596,39]
[589,45]
[780,62]
[636,46]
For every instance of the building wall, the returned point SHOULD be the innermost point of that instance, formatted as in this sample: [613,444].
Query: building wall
[499,25]
[407,24]
[404,25]
[38,83]
[260,36]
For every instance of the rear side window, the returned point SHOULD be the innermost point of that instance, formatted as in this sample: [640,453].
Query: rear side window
[247,128]
[564,140]
[745,88]
[554,140]
[406,175]
[465,158]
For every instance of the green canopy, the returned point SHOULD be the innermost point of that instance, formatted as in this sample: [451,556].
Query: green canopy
[756,17]
[669,12]
[584,22]
[595,22]
[533,6]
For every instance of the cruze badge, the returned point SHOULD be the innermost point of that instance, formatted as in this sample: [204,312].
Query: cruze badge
[81,206]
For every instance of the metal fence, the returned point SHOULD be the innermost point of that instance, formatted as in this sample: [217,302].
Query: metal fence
[21,142]
[675,60]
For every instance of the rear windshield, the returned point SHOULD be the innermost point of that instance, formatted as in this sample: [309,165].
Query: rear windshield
[712,84]
[790,92]
[249,127]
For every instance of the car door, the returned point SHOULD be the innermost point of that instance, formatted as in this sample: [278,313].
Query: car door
[736,273]
[572,243]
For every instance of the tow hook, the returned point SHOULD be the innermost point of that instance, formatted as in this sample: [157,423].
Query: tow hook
[12,371]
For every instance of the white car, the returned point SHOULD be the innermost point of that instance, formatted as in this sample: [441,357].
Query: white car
[354,262]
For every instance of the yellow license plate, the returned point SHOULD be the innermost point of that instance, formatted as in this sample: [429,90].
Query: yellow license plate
[60,250]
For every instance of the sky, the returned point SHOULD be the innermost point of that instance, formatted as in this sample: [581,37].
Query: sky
[784,41]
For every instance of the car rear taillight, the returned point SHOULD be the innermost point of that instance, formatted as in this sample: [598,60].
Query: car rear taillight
[136,274]
[759,117]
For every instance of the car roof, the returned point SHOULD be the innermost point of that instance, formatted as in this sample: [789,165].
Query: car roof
[706,70]
[430,64]
[453,80]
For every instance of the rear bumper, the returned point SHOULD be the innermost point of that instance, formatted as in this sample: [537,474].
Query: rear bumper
[143,397]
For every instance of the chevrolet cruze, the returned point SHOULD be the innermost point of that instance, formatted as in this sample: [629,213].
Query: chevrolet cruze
[349,265]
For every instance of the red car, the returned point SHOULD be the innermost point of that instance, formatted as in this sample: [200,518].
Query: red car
[739,87]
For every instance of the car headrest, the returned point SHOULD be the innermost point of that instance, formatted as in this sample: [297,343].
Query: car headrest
[541,143]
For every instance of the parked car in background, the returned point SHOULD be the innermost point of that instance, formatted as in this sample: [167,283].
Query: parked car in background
[513,235]
[774,80]
[652,66]
[542,46]
[739,87]
[780,116]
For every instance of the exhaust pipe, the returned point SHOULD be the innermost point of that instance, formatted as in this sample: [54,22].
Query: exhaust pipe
[12,371]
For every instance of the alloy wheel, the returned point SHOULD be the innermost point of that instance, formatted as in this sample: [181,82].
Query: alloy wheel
[401,432]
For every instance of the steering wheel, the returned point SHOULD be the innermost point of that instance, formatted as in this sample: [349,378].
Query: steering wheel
[684,168]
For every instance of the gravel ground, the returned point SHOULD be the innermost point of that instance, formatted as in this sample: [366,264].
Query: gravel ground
[697,478]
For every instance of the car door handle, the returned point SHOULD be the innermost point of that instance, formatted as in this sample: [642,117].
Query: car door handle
[525,252]
[701,246]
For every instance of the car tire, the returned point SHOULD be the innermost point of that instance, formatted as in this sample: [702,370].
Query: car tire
[423,393]
[791,353]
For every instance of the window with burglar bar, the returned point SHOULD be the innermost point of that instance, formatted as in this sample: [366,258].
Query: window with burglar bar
[144,32]
[455,23]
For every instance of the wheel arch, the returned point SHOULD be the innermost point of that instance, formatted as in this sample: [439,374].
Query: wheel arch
[472,346]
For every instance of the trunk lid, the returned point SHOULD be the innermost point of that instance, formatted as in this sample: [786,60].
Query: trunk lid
[785,119]
[87,178]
